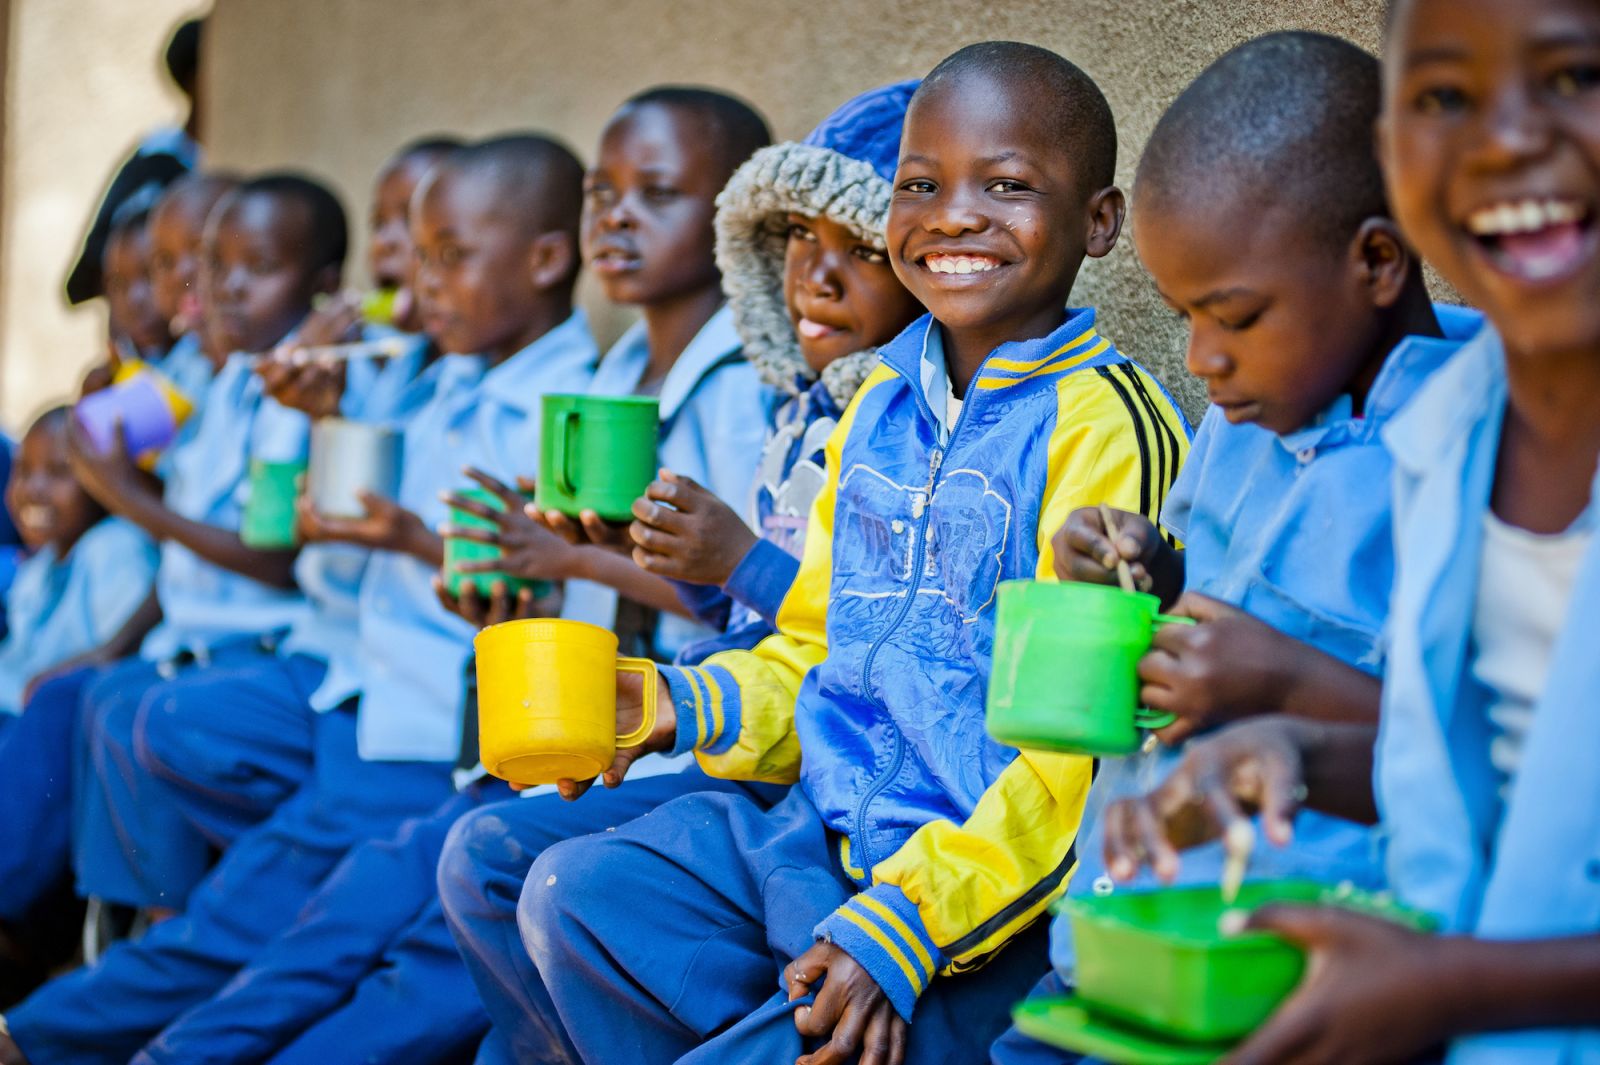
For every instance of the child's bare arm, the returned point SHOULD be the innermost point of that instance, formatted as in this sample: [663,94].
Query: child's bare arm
[386,526]
[122,488]
[122,643]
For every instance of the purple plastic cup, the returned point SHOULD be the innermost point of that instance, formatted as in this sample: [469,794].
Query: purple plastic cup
[147,420]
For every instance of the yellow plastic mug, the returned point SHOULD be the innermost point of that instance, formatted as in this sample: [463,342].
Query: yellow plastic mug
[547,700]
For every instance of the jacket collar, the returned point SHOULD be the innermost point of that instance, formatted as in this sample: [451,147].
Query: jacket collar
[519,382]
[1010,370]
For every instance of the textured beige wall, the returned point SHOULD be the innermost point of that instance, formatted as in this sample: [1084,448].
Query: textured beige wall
[83,82]
[333,85]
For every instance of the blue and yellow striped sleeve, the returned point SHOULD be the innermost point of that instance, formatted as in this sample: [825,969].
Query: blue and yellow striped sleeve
[956,892]
[736,710]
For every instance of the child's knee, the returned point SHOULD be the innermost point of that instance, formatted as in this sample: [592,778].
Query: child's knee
[569,884]
[480,853]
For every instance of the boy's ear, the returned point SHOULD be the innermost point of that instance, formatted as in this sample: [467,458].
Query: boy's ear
[1107,210]
[1382,259]
[552,259]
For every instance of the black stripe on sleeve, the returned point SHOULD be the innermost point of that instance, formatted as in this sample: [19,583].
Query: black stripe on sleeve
[1140,435]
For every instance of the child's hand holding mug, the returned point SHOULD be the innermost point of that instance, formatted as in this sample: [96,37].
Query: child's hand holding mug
[630,715]
[684,532]
[530,548]
[1086,552]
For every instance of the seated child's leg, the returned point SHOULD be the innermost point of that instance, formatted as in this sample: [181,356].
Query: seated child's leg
[377,905]
[256,891]
[37,753]
[245,721]
[481,875]
[636,972]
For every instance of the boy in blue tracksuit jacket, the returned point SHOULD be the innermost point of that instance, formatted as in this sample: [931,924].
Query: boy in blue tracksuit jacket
[388,723]
[1276,528]
[1481,769]
[914,848]
[169,777]
[828,196]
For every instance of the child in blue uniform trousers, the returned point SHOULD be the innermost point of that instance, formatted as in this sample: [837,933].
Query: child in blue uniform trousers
[800,240]
[914,848]
[217,597]
[382,980]
[1481,770]
[171,778]
[388,712]
[1309,345]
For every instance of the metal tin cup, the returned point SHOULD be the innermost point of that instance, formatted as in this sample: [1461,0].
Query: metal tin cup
[597,453]
[347,459]
[1066,667]
[269,520]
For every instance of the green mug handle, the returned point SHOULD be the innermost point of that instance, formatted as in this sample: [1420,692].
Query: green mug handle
[568,419]
[1144,717]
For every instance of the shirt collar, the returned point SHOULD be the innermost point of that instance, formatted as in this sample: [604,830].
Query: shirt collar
[935,379]
[517,382]
[623,367]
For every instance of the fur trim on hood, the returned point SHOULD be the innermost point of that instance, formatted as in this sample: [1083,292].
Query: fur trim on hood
[751,235]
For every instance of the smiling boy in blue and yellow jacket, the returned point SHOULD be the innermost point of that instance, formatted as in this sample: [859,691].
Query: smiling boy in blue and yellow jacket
[915,848]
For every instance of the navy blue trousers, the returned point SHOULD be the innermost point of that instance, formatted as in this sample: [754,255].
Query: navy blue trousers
[481,874]
[367,973]
[177,769]
[665,940]
[107,1012]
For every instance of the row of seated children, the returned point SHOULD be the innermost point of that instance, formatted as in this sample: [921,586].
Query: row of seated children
[664,939]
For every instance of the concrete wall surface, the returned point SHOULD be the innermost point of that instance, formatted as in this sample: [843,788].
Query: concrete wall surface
[333,85]
[83,83]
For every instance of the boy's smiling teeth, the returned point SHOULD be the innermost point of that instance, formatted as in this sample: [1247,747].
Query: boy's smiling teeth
[959,264]
[1523,216]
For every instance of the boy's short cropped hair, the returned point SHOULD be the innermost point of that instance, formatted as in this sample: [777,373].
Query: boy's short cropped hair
[539,180]
[182,57]
[1056,88]
[328,236]
[734,126]
[1289,116]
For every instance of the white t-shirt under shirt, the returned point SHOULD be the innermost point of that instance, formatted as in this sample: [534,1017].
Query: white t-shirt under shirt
[1524,593]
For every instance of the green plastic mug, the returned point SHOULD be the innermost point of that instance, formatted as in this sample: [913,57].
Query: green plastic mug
[1066,667]
[597,453]
[457,551]
[268,520]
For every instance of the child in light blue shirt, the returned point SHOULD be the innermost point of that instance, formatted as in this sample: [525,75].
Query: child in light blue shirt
[86,572]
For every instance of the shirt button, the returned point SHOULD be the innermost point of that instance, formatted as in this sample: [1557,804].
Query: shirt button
[1305,455]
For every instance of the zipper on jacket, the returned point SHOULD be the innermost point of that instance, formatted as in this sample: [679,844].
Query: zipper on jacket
[922,513]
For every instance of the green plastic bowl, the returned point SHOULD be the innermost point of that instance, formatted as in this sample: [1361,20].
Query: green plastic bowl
[1158,960]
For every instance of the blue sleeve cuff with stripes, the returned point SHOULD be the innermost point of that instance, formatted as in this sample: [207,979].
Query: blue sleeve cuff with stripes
[706,699]
[762,579]
[881,929]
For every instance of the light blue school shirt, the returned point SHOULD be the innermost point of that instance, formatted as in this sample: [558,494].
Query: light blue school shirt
[1529,870]
[714,417]
[409,664]
[381,391]
[208,481]
[187,367]
[61,607]
[1295,530]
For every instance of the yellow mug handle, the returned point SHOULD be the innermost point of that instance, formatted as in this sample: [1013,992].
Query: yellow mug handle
[646,669]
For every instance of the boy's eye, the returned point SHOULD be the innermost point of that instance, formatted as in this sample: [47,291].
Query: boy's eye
[1572,80]
[1241,324]
[920,186]
[1439,100]
[660,193]
[868,254]
[597,193]
[800,232]
[450,255]
[1006,185]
